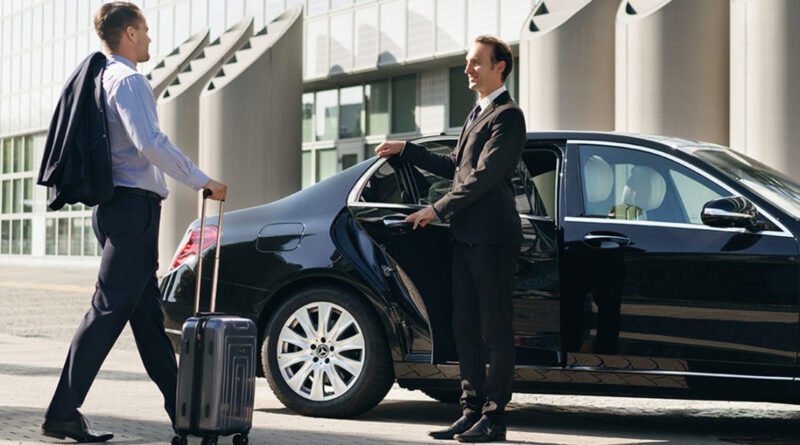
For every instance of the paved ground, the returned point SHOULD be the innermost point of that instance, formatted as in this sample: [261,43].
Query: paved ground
[39,309]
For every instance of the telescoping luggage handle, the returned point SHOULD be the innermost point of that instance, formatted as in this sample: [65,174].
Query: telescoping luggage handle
[206,194]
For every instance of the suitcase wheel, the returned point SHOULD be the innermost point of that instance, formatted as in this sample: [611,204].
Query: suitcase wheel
[240,439]
[209,441]
[179,440]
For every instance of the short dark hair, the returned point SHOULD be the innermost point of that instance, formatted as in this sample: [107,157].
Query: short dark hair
[113,18]
[502,52]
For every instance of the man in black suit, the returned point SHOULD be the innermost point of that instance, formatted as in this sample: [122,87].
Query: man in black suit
[487,235]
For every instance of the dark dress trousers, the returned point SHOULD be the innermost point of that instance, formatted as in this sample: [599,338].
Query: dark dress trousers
[127,291]
[487,235]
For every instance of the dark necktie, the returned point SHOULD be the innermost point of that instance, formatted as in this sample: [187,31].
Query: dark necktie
[474,115]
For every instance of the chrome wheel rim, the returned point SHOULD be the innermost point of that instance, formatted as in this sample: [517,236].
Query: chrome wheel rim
[320,351]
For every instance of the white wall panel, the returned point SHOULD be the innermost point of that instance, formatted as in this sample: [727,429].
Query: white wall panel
[450,25]
[421,28]
[513,15]
[481,18]
[393,32]
[316,56]
[341,42]
[433,97]
[366,36]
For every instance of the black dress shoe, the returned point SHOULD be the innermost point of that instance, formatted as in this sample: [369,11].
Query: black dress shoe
[77,429]
[461,425]
[483,431]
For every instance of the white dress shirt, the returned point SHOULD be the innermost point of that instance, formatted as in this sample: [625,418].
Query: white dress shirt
[140,152]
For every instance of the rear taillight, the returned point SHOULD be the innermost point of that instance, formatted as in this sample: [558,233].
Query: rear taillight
[187,253]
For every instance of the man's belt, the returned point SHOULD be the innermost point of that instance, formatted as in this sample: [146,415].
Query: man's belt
[138,191]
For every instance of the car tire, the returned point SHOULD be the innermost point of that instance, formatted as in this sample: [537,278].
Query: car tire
[293,356]
[443,395]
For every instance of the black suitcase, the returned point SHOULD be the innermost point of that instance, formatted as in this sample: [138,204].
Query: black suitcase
[217,371]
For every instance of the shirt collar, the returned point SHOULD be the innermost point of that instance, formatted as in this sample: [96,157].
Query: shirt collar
[118,58]
[486,101]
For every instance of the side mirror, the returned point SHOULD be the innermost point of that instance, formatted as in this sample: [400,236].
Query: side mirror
[731,211]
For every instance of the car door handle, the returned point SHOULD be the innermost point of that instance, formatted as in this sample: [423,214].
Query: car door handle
[606,241]
[394,222]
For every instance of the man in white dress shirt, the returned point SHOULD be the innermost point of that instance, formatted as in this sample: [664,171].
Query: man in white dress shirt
[127,228]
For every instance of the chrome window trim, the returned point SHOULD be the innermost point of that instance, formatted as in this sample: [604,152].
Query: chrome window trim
[536,217]
[783,233]
[672,225]
[386,205]
[355,192]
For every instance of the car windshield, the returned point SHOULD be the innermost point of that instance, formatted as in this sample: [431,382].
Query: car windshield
[761,179]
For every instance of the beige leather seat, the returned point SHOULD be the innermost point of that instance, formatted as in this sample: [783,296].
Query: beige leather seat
[598,178]
[644,191]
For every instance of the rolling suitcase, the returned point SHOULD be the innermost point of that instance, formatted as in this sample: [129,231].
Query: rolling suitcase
[217,371]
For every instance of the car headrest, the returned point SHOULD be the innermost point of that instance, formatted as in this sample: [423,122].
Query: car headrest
[598,178]
[645,188]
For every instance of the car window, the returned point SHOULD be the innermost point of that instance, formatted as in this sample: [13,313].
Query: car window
[619,183]
[430,188]
[535,185]
[385,186]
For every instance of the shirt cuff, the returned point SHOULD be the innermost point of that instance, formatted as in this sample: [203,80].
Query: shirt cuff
[402,149]
[198,179]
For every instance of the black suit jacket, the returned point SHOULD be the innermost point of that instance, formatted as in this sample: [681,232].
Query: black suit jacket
[480,206]
[77,154]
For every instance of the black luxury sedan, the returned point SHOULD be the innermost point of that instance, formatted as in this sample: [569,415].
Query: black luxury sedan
[650,266]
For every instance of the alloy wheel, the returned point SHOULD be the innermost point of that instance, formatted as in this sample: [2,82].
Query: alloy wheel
[320,351]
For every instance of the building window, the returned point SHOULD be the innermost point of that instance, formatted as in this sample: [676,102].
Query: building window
[308,114]
[16,195]
[369,150]
[307,173]
[376,95]
[351,102]
[349,160]
[327,161]
[327,114]
[404,104]
[512,81]
[462,99]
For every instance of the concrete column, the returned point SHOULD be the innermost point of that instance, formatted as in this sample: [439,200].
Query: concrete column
[179,117]
[672,68]
[167,69]
[567,65]
[250,116]
[765,69]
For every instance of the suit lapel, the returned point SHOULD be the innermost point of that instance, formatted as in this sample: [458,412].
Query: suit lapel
[465,131]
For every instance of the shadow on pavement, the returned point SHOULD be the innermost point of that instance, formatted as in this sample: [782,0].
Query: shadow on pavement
[22,425]
[48,371]
[730,426]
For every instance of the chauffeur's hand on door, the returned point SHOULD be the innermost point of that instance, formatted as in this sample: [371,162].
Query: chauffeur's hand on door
[389,148]
[422,217]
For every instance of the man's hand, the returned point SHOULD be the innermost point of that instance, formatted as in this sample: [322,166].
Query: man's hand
[389,148]
[219,191]
[422,217]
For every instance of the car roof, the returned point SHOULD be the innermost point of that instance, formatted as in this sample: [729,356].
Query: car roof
[649,140]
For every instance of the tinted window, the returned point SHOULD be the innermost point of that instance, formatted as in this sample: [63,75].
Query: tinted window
[535,185]
[431,188]
[385,186]
[627,184]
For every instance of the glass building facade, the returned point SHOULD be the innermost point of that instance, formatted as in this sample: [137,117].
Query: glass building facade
[406,54]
